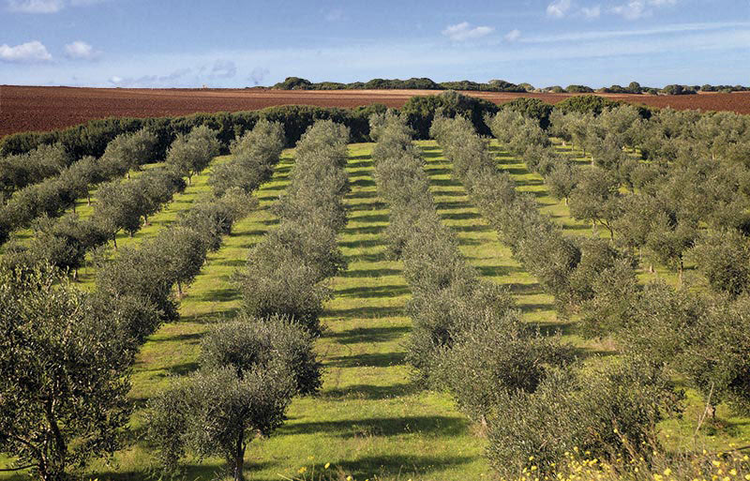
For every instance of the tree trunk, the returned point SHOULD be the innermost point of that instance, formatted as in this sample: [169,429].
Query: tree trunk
[681,271]
[88,200]
[114,240]
[179,290]
[57,470]
[239,459]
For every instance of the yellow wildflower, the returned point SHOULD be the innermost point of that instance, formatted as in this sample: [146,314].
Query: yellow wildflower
[328,465]
[302,470]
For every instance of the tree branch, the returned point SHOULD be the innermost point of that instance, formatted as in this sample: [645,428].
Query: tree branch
[17,469]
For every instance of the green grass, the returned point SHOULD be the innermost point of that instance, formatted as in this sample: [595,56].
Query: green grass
[479,243]
[368,419]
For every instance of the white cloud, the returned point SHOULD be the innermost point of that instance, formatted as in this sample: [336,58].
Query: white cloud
[35,6]
[513,35]
[29,52]
[464,31]
[46,6]
[636,9]
[558,8]
[80,50]
[591,12]
[680,28]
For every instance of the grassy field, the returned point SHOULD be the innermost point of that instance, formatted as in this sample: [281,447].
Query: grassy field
[368,421]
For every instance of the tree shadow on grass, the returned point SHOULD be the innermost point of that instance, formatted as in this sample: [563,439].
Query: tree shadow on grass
[370,229]
[361,164]
[219,295]
[453,204]
[460,215]
[471,228]
[402,466]
[369,335]
[437,425]
[186,337]
[496,271]
[445,182]
[192,472]
[437,171]
[386,359]
[381,217]
[366,312]
[368,392]
[362,182]
[361,244]
[364,273]
[362,194]
[371,292]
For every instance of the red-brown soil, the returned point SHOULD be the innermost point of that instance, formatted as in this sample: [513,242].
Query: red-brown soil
[47,108]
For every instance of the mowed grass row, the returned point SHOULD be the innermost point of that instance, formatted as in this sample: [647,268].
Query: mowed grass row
[368,419]
[170,212]
[480,244]
[174,348]
[558,210]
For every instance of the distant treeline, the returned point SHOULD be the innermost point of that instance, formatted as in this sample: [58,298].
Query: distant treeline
[297,83]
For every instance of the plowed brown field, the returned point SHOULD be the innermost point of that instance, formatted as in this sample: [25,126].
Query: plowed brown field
[48,108]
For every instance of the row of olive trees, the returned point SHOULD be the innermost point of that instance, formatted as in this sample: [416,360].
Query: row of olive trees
[450,304]
[687,201]
[252,367]
[287,272]
[551,404]
[701,338]
[121,205]
[67,354]
[18,171]
[53,195]
[664,203]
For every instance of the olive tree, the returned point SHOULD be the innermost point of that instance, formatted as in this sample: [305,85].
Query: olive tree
[217,412]
[250,370]
[129,151]
[191,153]
[596,199]
[724,259]
[63,374]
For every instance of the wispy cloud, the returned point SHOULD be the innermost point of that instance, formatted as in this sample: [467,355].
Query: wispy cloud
[29,52]
[636,9]
[80,50]
[612,34]
[559,8]
[591,12]
[46,6]
[513,35]
[464,31]
[35,6]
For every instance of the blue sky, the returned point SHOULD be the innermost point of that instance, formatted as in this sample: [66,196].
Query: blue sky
[223,43]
